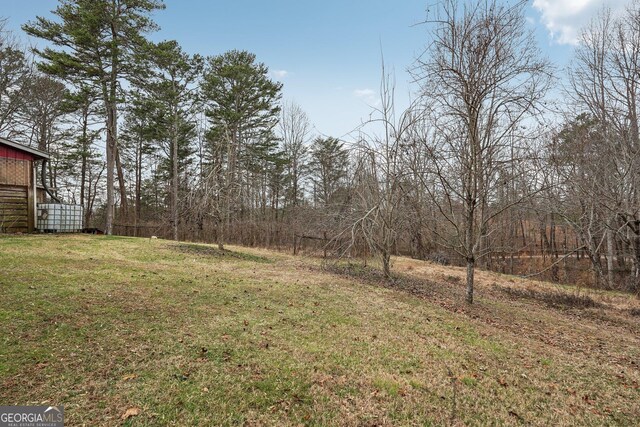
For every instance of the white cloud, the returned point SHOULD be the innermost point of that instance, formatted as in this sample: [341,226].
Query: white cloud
[280,74]
[364,93]
[369,96]
[565,18]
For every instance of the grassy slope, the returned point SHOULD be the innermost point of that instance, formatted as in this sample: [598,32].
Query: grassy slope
[188,336]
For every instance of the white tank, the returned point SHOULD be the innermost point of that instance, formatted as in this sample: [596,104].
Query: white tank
[60,218]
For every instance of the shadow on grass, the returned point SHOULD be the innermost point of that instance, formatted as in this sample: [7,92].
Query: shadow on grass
[415,286]
[554,299]
[116,237]
[634,312]
[452,292]
[209,251]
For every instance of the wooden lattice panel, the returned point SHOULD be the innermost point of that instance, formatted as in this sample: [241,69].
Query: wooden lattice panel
[14,172]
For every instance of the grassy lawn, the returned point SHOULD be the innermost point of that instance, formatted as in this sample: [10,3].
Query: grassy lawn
[125,331]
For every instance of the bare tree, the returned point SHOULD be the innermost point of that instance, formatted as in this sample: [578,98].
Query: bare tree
[605,83]
[44,107]
[15,72]
[574,155]
[295,129]
[380,179]
[482,77]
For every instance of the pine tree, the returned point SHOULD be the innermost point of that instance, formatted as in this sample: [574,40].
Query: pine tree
[173,90]
[94,42]
[138,138]
[329,162]
[82,164]
[242,111]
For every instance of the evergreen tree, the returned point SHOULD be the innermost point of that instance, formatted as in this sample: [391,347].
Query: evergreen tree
[329,162]
[95,42]
[138,137]
[82,160]
[242,111]
[173,90]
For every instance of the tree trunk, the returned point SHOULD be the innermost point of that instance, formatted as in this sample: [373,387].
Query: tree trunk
[110,149]
[386,265]
[610,255]
[174,178]
[83,167]
[124,205]
[471,264]
[469,248]
[636,249]
[220,235]
[138,208]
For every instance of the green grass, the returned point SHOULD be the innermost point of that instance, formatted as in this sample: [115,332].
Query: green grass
[191,335]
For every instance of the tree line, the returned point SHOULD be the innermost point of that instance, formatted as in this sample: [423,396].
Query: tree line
[483,166]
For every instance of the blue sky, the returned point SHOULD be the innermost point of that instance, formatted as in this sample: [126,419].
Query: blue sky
[328,53]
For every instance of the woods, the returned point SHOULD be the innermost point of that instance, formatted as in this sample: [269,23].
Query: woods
[485,167]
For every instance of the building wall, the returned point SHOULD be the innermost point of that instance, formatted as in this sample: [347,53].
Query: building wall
[14,209]
[7,152]
[16,191]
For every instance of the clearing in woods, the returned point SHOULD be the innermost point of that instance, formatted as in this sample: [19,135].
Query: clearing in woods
[151,332]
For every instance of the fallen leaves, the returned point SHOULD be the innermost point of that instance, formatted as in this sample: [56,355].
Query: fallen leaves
[131,412]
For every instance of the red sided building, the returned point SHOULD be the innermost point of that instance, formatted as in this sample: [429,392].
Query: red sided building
[19,192]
